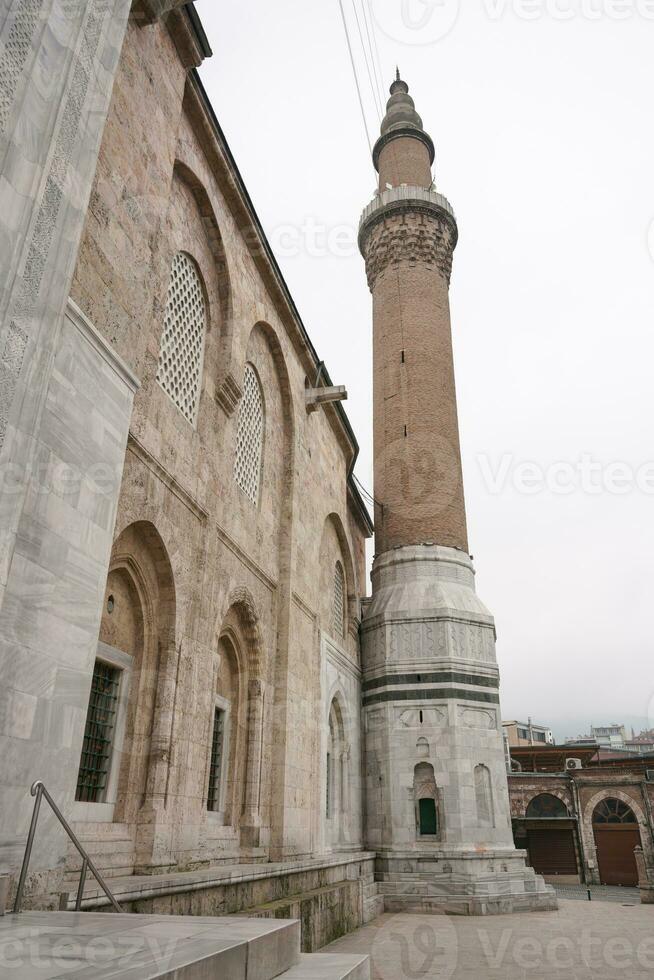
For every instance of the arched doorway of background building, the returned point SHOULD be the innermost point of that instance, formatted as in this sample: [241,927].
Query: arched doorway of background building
[549,835]
[616,835]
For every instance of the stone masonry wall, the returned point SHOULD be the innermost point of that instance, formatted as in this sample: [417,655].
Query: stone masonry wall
[256,569]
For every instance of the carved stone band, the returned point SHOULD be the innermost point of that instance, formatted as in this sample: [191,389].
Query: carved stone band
[407,224]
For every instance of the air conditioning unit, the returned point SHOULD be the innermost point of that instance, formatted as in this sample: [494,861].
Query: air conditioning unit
[649,775]
[573,764]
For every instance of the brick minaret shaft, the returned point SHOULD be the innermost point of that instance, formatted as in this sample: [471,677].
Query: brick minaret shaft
[407,237]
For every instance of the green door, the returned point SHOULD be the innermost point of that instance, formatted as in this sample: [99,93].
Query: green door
[428,823]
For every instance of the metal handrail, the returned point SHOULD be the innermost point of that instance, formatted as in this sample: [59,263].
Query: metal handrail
[38,790]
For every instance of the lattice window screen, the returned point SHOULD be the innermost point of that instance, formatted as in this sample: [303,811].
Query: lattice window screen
[338,610]
[249,436]
[182,343]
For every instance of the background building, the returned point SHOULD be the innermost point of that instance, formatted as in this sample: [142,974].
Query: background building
[526,733]
[580,811]
[608,736]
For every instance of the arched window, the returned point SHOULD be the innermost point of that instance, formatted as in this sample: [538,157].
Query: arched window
[182,341]
[425,796]
[227,735]
[613,811]
[338,602]
[547,807]
[484,797]
[249,436]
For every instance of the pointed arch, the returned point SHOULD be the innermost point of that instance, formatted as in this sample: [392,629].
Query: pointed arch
[141,574]
[187,176]
[241,603]
[334,561]
[425,798]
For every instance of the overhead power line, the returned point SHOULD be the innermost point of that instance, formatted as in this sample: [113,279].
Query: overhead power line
[373,32]
[374,53]
[356,77]
[369,60]
[366,493]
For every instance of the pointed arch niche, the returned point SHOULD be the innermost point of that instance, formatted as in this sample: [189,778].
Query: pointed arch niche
[234,749]
[337,776]
[125,755]
[426,802]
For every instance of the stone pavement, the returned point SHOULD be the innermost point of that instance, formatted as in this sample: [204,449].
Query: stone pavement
[599,893]
[581,941]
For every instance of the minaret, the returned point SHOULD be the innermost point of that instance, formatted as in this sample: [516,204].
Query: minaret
[437,805]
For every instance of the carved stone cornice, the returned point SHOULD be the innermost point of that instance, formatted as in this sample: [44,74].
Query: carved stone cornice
[408,224]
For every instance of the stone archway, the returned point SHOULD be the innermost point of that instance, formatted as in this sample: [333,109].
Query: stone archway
[243,628]
[616,833]
[598,845]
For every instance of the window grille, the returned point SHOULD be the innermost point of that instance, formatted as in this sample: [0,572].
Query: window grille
[338,610]
[249,436]
[98,735]
[182,342]
[613,811]
[215,766]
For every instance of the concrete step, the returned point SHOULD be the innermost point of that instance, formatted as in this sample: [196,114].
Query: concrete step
[329,966]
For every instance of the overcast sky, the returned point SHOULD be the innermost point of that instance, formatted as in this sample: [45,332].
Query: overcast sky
[542,119]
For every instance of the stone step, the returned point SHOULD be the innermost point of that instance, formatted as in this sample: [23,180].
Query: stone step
[329,966]
[97,946]
[372,908]
[446,888]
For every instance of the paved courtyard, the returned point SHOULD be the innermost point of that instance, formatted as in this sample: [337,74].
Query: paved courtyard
[583,940]
[599,893]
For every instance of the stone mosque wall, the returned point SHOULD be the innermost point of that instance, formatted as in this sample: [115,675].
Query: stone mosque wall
[231,521]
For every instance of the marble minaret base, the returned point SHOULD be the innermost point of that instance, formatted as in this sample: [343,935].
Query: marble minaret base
[433,732]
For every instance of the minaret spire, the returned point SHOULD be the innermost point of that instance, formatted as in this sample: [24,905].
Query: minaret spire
[435,773]
[408,236]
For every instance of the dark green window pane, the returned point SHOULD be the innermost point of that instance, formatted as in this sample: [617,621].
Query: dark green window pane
[428,822]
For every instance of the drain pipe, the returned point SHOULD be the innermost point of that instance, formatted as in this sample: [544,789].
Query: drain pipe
[580,829]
